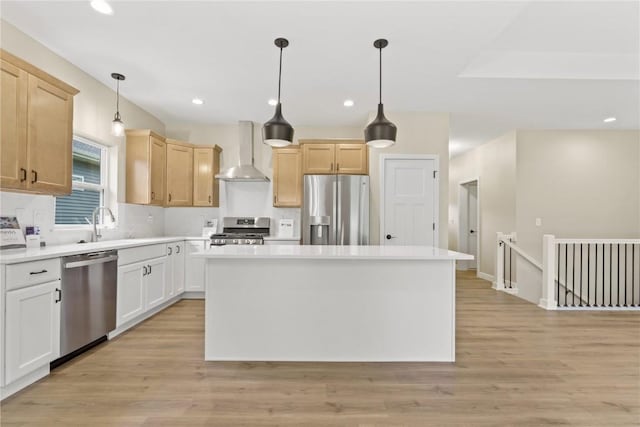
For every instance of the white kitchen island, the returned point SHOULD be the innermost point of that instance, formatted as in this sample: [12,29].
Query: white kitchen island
[330,303]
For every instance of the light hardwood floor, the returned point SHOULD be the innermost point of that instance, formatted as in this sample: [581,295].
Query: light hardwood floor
[516,365]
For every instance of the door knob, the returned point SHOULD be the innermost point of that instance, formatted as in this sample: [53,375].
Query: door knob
[472,231]
[389,237]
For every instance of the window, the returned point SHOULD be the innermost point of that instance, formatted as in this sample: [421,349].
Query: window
[88,182]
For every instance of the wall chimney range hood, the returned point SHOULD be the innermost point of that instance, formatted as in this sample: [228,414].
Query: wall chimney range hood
[245,171]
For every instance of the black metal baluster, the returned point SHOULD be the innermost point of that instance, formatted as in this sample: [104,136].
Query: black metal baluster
[580,300]
[611,275]
[633,275]
[625,274]
[558,276]
[618,291]
[603,282]
[588,273]
[566,272]
[595,275]
[573,275]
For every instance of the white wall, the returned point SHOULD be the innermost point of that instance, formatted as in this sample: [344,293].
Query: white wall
[494,165]
[418,133]
[94,108]
[580,183]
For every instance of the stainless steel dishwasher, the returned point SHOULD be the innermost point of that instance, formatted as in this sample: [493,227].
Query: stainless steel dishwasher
[88,298]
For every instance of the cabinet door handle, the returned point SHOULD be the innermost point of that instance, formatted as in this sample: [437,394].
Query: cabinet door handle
[209,199]
[149,269]
[35,176]
[37,272]
[169,196]
[23,171]
[170,250]
[337,167]
[275,199]
[177,249]
[59,297]
[153,195]
[144,270]
[331,166]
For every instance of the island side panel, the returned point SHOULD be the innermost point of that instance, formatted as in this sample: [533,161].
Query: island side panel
[330,310]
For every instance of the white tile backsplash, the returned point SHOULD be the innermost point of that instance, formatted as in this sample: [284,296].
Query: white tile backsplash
[135,221]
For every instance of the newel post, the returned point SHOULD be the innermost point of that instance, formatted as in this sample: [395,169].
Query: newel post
[548,300]
[498,284]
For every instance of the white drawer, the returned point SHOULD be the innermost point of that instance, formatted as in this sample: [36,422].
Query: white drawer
[141,253]
[32,273]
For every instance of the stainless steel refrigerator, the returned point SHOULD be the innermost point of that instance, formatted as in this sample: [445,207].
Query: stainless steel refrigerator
[335,210]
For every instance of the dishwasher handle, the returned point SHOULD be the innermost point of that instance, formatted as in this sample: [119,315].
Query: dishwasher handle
[85,263]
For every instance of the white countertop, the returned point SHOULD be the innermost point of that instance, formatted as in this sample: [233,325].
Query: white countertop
[13,256]
[423,253]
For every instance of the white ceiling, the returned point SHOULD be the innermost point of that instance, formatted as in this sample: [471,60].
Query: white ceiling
[495,66]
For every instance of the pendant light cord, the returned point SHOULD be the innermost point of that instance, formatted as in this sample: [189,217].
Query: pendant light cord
[380,92]
[280,75]
[118,97]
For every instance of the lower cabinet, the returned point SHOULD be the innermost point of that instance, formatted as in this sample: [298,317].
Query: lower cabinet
[131,292]
[32,329]
[175,268]
[194,274]
[156,282]
[141,286]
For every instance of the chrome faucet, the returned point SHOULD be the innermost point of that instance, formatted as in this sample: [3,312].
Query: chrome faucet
[94,219]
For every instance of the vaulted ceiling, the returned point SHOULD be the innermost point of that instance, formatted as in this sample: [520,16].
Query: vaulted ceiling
[494,66]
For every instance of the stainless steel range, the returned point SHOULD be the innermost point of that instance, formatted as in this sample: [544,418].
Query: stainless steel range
[242,231]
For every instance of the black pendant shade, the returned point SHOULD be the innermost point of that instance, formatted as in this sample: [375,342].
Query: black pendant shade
[277,132]
[380,133]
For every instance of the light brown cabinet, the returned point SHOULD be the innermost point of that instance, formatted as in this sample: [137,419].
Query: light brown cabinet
[339,156]
[36,129]
[146,167]
[206,164]
[319,159]
[287,177]
[179,174]
[352,159]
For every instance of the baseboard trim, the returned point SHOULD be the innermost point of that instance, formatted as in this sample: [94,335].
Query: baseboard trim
[23,382]
[485,276]
[193,295]
[144,316]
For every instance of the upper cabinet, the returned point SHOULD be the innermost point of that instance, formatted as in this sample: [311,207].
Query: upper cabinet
[206,164]
[335,156]
[319,159]
[168,172]
[287,177]
[352,159]
[36,129]
[146,167]
[179,174]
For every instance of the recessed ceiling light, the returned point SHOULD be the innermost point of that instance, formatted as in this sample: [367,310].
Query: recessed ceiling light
[348,103]
[610,119]
[273,102]
[102,7]
[197,101]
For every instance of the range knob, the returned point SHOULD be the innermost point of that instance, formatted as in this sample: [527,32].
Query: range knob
[235,241]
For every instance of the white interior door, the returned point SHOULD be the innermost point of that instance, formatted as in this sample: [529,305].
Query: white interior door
[409,211]
[472,223]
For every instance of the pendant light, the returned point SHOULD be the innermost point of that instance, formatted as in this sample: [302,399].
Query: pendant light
[277,132]
[380,133]
[117,126]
